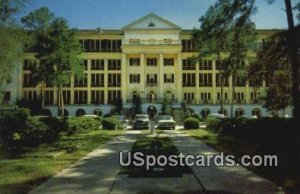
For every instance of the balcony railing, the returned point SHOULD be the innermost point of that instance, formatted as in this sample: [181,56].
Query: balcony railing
[151,84]
[151,42]
[154,100]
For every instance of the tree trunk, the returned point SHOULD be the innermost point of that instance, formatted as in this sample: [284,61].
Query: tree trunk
[42,95]
[221,82]
[58,102]
[232,97]
[293,59]
[62,105]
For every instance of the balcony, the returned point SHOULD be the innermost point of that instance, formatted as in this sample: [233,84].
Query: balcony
[114,85]
[151,84]
[151,42]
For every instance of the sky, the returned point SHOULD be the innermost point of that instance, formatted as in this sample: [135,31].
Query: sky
[114,14]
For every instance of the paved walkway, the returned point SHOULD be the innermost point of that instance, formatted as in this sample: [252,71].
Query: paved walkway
[93,174]
[98,173]
[221,179]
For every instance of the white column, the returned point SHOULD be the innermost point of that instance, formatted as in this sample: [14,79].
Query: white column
[124,78]
[179,78]
[197,95]
[161,76]
[143,76]
[105,81]
[89,81]
[214,93]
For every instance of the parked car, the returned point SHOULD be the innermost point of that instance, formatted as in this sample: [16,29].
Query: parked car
[165,122]
[141,121]
[123,120]
[215,115]
[248,117]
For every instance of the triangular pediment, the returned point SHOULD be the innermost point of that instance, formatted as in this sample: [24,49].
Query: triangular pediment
[151,22]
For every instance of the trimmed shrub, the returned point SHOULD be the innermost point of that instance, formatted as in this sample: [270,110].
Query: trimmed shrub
[111,123]
[82,124]
[197,116]
[56,124]
[36,132]
[191,123]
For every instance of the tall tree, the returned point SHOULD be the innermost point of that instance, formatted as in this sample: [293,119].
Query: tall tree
[39,22]
[293,58]
[58,51]
[11,39]
[212,38]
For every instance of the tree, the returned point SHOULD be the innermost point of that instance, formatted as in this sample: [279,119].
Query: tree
[212,38]
[39,22]
[226,27]
[293,58]
[242,34]
[58,51]
[12,39]
[273,64]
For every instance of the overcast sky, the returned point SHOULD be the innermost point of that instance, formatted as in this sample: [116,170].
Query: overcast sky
[114,14]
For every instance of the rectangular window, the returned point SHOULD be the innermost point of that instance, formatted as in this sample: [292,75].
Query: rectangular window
[188,80]
[240,82]
[29,64]
[80,97]
[205,79]
[67,96]
[205,65]
[219,80]
[134,78]
[188,65]
[205,97]
[168,62]
[84,63]
[49,98]
[7,97]
[151,62]
[239,97]
[97,97]
[224,96]
[97,80]
[114,64]
[151,80]
[134,62]
[168,78]
[28,81]
[30,96]
[114,80]
[81,82]
[188,45]
[113,95]
[189,97]
[97,64]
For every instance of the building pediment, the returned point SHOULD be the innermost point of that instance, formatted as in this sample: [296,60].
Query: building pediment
[151,22]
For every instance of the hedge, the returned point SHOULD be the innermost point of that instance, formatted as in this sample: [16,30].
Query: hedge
[191,123]
[111,123]
[82,124]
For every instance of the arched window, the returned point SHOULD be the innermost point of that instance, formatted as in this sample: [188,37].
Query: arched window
[256,112]
[239,112]
[98,112]
[205,112]
[80,112]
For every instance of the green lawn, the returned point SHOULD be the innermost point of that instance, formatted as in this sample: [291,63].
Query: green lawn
[21,171]
[286,174]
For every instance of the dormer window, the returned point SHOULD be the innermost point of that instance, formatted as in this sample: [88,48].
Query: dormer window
[151,24]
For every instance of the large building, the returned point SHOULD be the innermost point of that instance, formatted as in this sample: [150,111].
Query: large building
[149,58]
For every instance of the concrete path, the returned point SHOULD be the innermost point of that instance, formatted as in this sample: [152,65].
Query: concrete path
[221,179]
[93,174]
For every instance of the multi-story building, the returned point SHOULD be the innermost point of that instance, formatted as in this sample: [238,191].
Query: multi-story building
[149,58]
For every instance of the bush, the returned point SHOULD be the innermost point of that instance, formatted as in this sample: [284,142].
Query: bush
[197,116]
[56,124]
[36,132]
[191,123]
[13,123]
[82,124]
[111,123]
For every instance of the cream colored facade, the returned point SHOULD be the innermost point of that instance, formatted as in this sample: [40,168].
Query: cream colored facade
[147,58]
